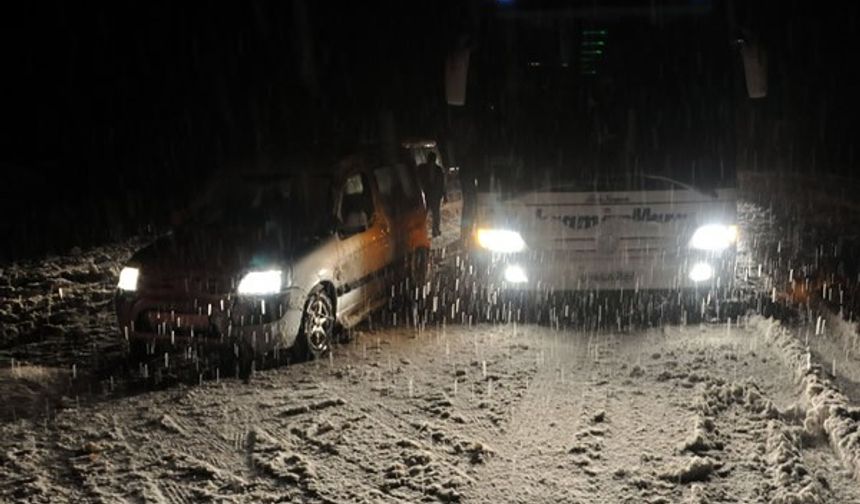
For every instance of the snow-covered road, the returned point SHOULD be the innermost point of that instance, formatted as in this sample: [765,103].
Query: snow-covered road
[503,413]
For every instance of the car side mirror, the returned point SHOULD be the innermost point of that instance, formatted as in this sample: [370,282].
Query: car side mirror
[354,222]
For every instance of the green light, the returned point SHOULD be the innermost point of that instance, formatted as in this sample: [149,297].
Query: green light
[593,52]
[592,43]
[595,32]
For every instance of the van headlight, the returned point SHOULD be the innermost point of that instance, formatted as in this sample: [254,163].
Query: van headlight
[128,279]
[714,237]
[500,240]
[261,282]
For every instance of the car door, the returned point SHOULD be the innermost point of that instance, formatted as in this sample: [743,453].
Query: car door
[365,251]
[402,202]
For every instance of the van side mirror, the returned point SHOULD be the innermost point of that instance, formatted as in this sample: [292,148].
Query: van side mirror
[755,67]
[354,222]
[456,75]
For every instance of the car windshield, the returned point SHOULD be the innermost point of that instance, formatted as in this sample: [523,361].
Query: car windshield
[268,200]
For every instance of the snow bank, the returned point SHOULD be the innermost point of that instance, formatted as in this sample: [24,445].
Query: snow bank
[843,337]
[828,410]
[790,481]
[57,310]
[846,332]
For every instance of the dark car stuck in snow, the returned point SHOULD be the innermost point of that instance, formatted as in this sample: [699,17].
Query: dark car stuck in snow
[277,260]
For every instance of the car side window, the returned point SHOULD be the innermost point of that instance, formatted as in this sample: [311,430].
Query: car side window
[408,185]
[356,197]
[398,189]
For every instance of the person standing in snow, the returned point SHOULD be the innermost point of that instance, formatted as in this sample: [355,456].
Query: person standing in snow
[432,179]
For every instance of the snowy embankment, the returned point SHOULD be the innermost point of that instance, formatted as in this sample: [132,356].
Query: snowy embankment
[810,258]
[839,346]
[57,310]
[828,411]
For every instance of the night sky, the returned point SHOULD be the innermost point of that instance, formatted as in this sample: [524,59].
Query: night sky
[116,111]
[113,111]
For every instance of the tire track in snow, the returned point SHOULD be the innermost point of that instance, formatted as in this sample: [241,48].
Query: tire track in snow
[540,426]
[442,436]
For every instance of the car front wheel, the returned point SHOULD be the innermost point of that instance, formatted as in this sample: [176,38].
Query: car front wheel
[318,325]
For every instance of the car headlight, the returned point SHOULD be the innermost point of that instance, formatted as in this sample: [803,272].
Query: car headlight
[701,272]
[515,274]
[128,279]
[714,237]
[261,282]
[500,240]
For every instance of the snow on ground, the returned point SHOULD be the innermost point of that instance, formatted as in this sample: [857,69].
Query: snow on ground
[58,310]
[491,413]
[456,412]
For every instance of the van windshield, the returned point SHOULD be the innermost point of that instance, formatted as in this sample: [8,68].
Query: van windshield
[600,102]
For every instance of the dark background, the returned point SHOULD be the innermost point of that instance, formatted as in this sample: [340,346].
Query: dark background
[116,112]
[113,113]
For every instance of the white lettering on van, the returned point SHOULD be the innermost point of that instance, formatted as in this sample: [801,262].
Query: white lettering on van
[587,221]
[646,215]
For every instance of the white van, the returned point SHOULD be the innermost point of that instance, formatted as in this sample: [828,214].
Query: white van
[610,149]
[670,237]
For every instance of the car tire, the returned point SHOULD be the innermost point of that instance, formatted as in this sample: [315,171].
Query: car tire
[318,325]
